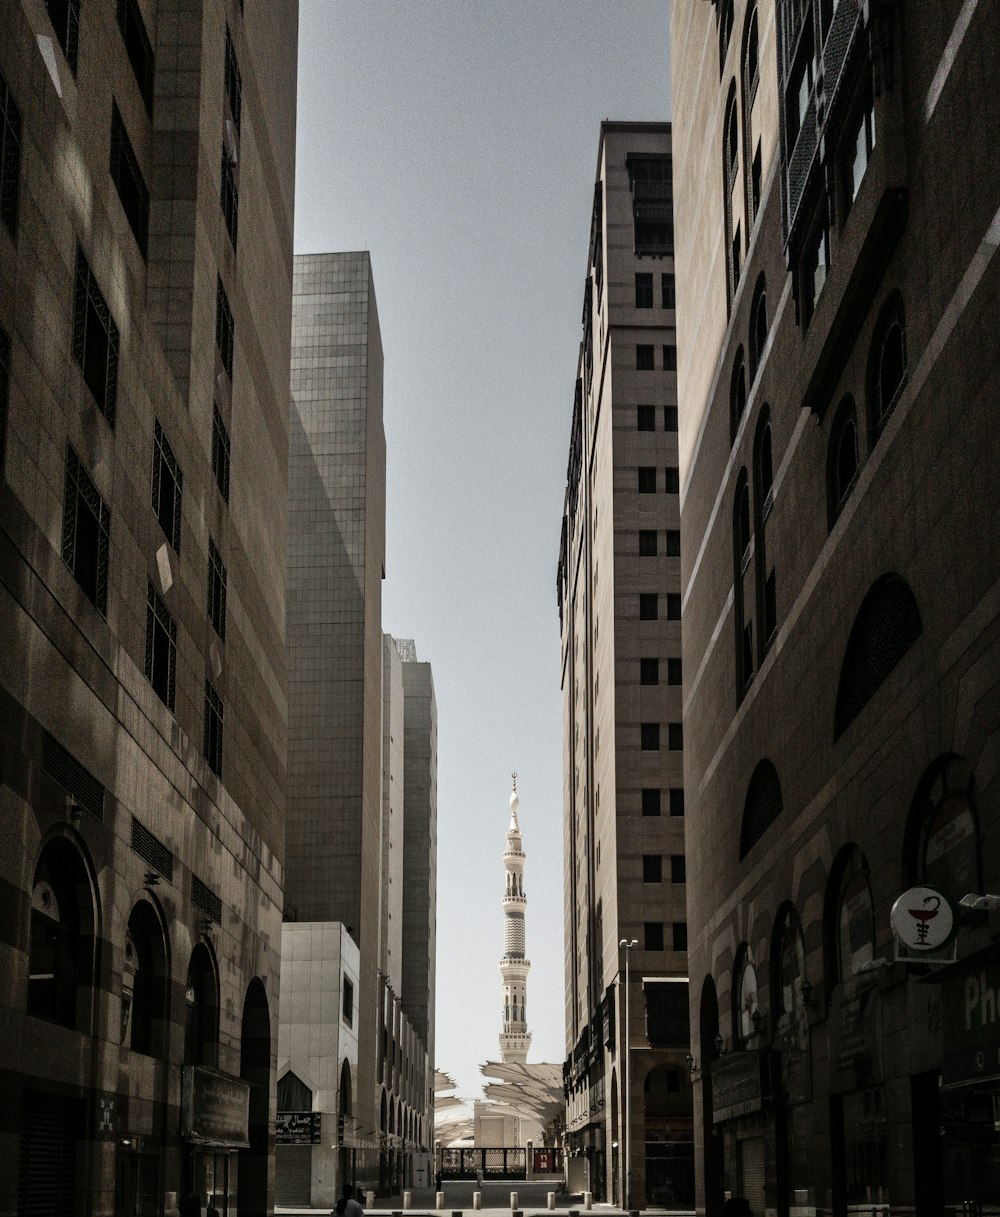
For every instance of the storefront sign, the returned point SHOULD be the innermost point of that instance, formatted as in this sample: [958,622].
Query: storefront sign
[923,920]
[215,1108]
[739,1085]
[297,1128]
[970,1009]
[855,1030]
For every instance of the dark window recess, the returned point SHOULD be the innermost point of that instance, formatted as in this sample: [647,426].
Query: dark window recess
[347,1009]
[650,736]
[64,768]
[138,48]
[128,180]
[667,291]
[643,290]
[650,802]
[648,606]
[673,671]
[652,935]
[153,851]
[667,1017]
[10,157]
[652,868]
[649,671]
[647,479]
[672,480]
[65,18]
[676,800]
[4,392]
[161,648]
[645,418]
[86,533]
[670,359]
[675,736]
[673,543]
[645,357]
[95,339]
[234,83]
[762,807]
[647,542]
[220,453]
[225,328]
[678,868]
[50,1127]
[770,606]
[167,486]
[293,1094]
[216,590]
[680,935]
[673,606]
[212,740]
[230,196]
[669,418]
[203,898]
[652,204]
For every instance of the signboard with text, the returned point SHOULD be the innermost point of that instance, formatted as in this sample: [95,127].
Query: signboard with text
[739,1085]
[297,1127]
[970,1020]
[215,1108]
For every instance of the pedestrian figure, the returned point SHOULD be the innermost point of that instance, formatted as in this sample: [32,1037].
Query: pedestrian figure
[347,1206]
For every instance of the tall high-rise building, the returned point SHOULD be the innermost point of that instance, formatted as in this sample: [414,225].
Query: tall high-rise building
[837,284]
[515,1038]
[360,842]
[146,191]
[619,591]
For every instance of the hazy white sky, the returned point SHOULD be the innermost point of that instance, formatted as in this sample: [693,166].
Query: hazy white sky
[457,141]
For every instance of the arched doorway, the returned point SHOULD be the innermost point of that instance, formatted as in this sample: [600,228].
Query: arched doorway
[255,1068]
[711,1141]
[345,1156]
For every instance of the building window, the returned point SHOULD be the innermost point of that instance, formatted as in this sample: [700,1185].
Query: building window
[670,358]
[745,1014]
[751,77]
[725,33]
[762,806]
[138,48]
[647,542]
[730,192]
[673,480]
[647,479]
[347,1008]
[842,458]
[652,868]
[652,204]
[167,483]
[65,18]
[673,543]
[857,150]
[678,868]
[234,82]
[648,606]
[650,802]
[649,671]
[799,84]
[764,500]
[216,590]
[675,737]
[128,180]
[644,360]
[815,263]
[4,392]
[62,936]
[673,671]
[95,339]
[10,157]
[680,935]
[887,364]
[161,648]
[212,739]
[643,290]
[673,606]
[743,533]
[86,533]
[225,328]
[230,195]
[667,291]
[676,801]
[650,737]
[652,935]
[669,418]
[645,418]
[758,325]
[145,986]
[220,452]
[201,1009]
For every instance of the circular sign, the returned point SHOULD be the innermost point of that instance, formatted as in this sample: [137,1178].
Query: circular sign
[923,918]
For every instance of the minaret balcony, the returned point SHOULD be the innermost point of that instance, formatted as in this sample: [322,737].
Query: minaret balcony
[514,901]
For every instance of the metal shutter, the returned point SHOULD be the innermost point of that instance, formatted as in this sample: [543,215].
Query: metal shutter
[752,1173]
[292,1174]
[49,1130]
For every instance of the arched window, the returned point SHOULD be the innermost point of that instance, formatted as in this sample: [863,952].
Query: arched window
[751,78]
[887,363]
[731,192]
[725,33]
[737,395]
[788,966]
[944,830]
[145,982]
[887,625]
[63,936]
[293,1093]
[767,604]
[762,807]
[746,1015]
[758,324]
[201,1010]
[764,464]
[741,560]
[850,916]
[255,1068]
[841,458]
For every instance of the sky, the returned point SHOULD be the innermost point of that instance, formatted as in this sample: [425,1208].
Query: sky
[456,140]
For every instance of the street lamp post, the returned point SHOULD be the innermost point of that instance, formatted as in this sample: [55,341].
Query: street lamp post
[628,945]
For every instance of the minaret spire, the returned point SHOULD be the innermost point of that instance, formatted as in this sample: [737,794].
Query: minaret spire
[515,1038]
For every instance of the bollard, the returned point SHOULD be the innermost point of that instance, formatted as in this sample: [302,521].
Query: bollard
[588,1201]
[407,1200]
[369,1200]
[439,1200]
[551,1200]
[633,1213]
[513,1200]
[477,1200]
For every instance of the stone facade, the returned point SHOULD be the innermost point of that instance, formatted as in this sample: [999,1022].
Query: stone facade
[619,602]
[837,284]
[143,517]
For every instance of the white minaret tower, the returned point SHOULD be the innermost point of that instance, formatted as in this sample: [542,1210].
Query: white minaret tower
[515,1039]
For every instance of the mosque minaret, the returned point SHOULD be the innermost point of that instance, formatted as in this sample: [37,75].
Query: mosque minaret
[515,1039]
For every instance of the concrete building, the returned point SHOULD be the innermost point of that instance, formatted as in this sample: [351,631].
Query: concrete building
[837,285]
[146,204]
[360,841]
[619,591]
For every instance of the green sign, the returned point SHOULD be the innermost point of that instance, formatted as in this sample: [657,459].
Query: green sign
[970,1010]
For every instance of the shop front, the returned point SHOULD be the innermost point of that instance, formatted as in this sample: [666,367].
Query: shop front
[740,1086]
[215,1121]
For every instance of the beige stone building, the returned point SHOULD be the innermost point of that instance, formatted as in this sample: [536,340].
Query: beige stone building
[837,226]
[146,184]
[619,596]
